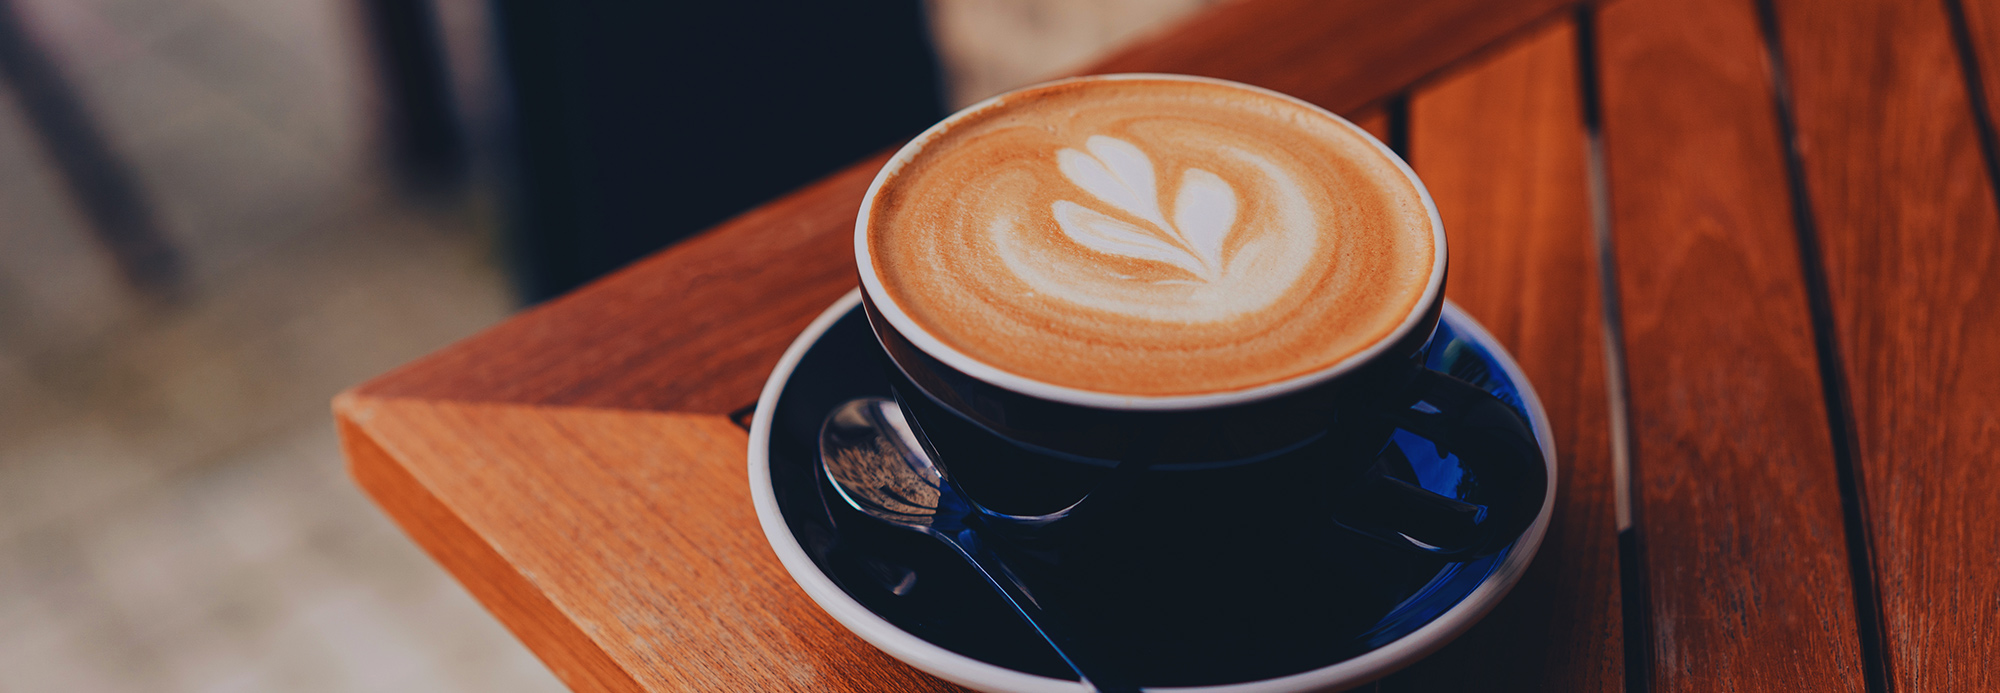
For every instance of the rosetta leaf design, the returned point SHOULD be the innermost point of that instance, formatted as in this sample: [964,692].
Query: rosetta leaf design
[1100,232]
[1204,211]
[1121,175]
[1116,172]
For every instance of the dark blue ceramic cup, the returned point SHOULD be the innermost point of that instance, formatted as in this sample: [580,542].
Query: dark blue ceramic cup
[1038,458]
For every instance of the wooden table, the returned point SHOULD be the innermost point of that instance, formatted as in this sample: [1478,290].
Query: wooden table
[1746,250]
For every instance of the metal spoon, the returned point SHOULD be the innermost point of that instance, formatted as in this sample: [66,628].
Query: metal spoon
[874,461]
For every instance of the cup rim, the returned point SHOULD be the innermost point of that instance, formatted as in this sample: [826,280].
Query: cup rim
[924,341]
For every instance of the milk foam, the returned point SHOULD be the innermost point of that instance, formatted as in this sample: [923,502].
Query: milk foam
[1151,237]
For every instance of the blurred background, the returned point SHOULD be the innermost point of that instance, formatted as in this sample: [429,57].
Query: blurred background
[216,214]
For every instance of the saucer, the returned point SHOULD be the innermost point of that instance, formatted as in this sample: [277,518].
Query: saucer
[910,596]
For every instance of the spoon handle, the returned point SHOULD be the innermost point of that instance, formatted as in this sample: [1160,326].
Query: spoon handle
[1096,674]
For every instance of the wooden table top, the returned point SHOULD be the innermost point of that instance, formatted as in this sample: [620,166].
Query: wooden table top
[1747,250]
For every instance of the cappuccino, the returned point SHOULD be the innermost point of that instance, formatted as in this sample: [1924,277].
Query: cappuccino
[1150,237]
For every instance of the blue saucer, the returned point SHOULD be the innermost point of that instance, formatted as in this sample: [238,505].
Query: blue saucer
[909,595]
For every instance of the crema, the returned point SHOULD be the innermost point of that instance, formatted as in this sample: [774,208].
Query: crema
[1151,237]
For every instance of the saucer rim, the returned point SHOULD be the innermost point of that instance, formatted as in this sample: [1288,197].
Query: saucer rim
[966,671]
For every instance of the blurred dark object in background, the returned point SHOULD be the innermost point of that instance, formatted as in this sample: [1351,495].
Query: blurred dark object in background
[101,182]
[426,139]
[639,123]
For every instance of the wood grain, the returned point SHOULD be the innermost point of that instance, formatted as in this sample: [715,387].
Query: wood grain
[1911,240]
[1738,508]
[526,611]
[1501,146]
[620,546]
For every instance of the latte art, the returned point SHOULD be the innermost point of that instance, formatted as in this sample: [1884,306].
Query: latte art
[1217,285]
[1150,237]
[1122,176]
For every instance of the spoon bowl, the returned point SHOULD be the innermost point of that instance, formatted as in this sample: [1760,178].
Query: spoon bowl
[872,459]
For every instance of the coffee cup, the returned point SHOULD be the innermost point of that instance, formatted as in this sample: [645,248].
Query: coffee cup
[1163,301]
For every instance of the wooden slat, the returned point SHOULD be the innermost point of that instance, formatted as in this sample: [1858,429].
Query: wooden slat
[1339,55]
[1911,242]
[620,546]
[1501,146]
[696,327]
[1739,512]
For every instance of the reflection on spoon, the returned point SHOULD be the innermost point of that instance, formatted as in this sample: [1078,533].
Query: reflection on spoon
[873,461]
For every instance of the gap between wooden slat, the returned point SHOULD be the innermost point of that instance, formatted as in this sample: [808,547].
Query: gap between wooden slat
[1633,595]
[1614,338]
[741,416]
[1832,376]
[1600,219]
[1397,108]
[1500,144]
[1975,91]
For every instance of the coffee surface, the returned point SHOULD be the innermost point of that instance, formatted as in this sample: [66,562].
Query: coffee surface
[1151,237]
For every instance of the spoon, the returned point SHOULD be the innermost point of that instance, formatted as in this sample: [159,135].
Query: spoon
[873,459]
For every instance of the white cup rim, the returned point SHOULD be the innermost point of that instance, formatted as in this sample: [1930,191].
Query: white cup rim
[936,348]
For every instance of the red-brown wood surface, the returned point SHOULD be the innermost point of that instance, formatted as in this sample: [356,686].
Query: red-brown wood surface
[533,618]
[1374,120]
[1739,511]
[651,557]
[1911,240]
[1501,146]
